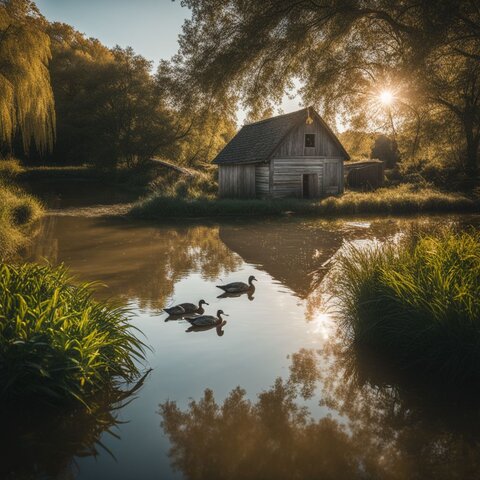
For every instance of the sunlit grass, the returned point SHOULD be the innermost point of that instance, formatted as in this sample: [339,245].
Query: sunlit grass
[417,302]
[57,344]
[17,211]
[397,200]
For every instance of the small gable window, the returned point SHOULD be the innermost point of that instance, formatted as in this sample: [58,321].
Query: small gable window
[309,140]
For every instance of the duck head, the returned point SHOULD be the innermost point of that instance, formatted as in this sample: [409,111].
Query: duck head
[202,302]
[219,316]
[251,278]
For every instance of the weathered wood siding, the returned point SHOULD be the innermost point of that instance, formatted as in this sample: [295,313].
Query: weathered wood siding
[236,181]
[294,143]
[262,179]
[287,176]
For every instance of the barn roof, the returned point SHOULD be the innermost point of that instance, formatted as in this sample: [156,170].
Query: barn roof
[256,142]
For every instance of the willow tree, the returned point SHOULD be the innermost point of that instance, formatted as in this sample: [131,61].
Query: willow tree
[343,53]
[26,97]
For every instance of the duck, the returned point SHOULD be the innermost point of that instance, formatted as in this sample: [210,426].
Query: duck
[184,308]
[239,287]
[207,320]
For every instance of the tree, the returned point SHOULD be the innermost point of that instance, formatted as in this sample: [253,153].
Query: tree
[385,149]
[344,52]
[26,97]
[109,111]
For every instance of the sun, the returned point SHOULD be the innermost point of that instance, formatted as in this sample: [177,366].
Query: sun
[386,97]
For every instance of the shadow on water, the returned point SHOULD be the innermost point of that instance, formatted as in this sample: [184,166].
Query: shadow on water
[42,443]
[384,431]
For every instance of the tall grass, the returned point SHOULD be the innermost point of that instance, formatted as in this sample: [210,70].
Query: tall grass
[417,302]
[57,344]
[398,200]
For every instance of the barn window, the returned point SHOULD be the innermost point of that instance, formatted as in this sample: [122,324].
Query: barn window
[309,140]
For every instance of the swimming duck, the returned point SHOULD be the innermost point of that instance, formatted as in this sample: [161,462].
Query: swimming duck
[239,287]
[207,320]
[184,308]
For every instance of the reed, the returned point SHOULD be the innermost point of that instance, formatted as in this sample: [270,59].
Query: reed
[416,302]
[57,344]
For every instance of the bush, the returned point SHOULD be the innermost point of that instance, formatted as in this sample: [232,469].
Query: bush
[57,344]
[416,302]
[17,211]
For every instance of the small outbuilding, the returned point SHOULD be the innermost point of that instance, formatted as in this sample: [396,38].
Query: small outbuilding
[292,155]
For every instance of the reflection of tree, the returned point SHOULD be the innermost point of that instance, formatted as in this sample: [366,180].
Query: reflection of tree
[42,443]
[136,261]
[389,433]
[271,438]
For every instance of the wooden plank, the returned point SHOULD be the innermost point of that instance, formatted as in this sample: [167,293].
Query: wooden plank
[294,143]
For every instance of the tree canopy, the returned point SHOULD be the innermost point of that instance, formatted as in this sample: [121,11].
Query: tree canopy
[26,97]
[344,53]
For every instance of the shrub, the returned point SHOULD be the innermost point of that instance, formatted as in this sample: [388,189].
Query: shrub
[417,302]
[57,344]
[17,211]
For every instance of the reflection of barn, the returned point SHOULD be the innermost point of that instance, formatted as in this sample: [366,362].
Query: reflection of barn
[292,253]
[294,155]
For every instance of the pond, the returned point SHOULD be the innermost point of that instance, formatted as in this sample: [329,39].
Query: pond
[273,394]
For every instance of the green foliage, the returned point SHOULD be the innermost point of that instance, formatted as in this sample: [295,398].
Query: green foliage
[57,344]
[26,97]
[417,302]
[113,112]
[402,199]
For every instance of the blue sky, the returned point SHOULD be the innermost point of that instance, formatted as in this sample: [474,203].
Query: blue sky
[151,27]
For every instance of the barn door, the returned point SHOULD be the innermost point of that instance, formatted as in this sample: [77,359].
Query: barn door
[331,177]
[310,185]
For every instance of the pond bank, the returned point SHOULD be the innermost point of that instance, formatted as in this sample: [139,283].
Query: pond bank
[397,200]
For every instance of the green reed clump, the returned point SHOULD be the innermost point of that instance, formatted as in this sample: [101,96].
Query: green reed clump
[58,344]
[417,302]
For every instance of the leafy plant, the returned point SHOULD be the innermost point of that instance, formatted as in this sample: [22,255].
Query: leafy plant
[58,344]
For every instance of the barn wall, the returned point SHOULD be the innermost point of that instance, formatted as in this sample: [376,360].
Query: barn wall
[262,179]
[287,175]
[294,143]
[236,181]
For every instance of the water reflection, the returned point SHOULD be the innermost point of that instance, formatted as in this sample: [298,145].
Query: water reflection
[143,262]
[372,431]
[137,262]
[48,443]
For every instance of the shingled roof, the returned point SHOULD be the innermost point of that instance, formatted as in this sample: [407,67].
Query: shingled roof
[256,142]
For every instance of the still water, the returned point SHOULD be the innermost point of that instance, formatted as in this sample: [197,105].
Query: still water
[274,394]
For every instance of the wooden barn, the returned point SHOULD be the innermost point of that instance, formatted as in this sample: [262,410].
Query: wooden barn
[292,155]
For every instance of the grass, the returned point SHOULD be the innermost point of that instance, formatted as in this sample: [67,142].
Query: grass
[18,210]
[417,303]
[57,344]
[398,200]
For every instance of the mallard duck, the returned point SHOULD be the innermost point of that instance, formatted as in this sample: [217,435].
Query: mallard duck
[184,308]
[207,320]
[239,287]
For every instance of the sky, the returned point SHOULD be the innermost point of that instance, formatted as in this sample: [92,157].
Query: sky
[150,27]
